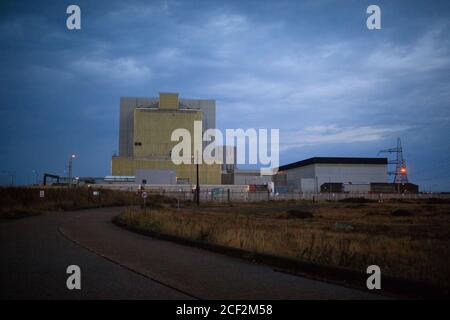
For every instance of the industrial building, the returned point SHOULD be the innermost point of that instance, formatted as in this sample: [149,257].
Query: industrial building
[146,126]
[145,146]
[332,174]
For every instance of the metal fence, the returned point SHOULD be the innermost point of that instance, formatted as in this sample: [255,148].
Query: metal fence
[225,196]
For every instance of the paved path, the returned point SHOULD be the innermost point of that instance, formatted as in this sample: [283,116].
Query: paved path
[116,263]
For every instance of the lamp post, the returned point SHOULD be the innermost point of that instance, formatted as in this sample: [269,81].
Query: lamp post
[70,168]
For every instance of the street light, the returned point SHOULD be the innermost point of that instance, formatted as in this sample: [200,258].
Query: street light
[70,168]
[197,187]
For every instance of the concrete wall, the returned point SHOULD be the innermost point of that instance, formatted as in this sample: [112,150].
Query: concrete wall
[126,166]
[155,176]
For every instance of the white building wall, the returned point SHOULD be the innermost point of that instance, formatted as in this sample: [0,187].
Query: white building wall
[309,178]
[351,173]
[307,185]
[293,176]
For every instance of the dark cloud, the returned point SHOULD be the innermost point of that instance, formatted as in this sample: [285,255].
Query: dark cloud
[309,68]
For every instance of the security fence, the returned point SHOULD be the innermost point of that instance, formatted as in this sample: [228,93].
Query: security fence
[224,195]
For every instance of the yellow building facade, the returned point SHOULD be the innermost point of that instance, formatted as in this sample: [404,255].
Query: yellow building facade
[152,145]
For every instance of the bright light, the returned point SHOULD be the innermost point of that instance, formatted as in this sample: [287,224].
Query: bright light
[403,170]
[73,156]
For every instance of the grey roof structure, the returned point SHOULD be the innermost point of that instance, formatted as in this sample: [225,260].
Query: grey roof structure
[333,160]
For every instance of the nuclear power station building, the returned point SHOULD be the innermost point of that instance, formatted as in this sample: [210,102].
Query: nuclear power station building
[145,146]
[145,155]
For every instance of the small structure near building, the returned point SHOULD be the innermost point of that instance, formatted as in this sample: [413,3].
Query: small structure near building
[394,188]
[155,176]
[247,177]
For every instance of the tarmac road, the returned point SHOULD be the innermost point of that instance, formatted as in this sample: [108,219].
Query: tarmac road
[119,264]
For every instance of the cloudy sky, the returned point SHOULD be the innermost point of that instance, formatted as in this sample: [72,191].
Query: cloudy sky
[310,68]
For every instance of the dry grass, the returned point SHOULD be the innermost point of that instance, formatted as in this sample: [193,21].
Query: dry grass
[19,202]
[350,235]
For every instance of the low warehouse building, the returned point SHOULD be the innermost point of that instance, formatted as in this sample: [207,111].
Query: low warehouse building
[244,177]
[320,174]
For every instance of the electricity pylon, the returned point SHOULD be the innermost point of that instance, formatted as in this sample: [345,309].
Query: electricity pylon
[400,173]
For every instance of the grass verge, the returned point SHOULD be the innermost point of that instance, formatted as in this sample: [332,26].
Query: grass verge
[411,248]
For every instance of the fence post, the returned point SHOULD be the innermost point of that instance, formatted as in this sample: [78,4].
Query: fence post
[228,195]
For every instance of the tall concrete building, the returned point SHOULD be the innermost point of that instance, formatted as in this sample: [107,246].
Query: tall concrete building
[145,129]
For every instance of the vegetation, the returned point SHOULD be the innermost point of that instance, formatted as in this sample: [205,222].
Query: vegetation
[16,202]
[407,240]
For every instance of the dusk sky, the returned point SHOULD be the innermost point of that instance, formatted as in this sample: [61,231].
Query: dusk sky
[309,68]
